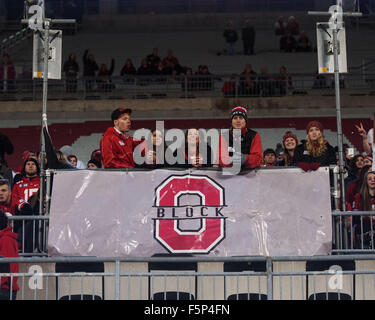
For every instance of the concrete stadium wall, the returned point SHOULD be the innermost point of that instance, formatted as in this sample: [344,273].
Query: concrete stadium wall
[352,105]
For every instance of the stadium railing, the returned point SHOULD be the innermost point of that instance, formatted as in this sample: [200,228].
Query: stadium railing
[351,230]
[341,277]
[181,86]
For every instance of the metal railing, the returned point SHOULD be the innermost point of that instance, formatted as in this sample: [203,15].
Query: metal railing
[181,86]
[348,277]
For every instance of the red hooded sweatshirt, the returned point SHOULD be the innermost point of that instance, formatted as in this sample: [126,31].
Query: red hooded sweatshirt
[9,249]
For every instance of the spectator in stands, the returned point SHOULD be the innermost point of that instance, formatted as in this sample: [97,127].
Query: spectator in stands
[266,83]
[97,156]
[231,38]
[90,67]
[93,164]
[292,26]
[116,145]
[71,69]
[153,59]
[155,152]
[160,70]
[189,82]
[229,87]
[8,249]
[282,81]
[355,186]
[248,38]
[104,82]
[288,43]
[365,201]
[367,140]
[7,74]
[128,68]
[68,150]
[269,158]
[280,26]
[17,206]
[315,151]
[6,147]
[170,63]
[205,78]
[355,166]
[303,43]
[320,81]
[73,160]
[248,82]
[193,156]
[30,183]
[290,143]
[144,69]
[251,145]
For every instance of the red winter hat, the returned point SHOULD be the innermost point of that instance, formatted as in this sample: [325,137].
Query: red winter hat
[316,124]
[289,134]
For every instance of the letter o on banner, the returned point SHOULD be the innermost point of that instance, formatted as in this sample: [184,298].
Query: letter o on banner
[211,231]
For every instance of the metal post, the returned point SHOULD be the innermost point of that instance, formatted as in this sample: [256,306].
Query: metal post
[335,29]
[44,116]
[117,280]
[338,118]
[269,279]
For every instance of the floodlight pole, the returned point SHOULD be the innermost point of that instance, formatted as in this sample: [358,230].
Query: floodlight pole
[43,26]
[336,27]
[45,29]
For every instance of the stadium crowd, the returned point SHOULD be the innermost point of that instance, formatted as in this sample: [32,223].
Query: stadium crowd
[19,191]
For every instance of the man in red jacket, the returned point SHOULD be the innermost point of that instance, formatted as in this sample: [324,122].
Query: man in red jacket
[116,145]
[250,154]
[8,249]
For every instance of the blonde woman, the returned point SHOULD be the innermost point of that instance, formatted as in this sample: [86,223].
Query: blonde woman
[315,151]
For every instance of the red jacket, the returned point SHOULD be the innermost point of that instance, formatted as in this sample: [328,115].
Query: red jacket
[25,188]
[9,249]
[254,158]
[117,149]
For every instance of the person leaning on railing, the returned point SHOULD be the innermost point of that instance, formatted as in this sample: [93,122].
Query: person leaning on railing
[8,249]
[315,151]
[251,145]
[117,146]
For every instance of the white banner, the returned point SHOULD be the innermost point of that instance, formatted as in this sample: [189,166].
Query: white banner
[270,212]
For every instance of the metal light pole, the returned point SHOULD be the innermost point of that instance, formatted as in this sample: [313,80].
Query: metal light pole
[335,25]
[40,24]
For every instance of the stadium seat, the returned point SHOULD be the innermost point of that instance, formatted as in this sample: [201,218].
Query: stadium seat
[325,287]
[172,287]
[79,288]
[245,287]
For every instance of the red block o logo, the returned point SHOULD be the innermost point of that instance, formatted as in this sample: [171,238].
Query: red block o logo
[211,231]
